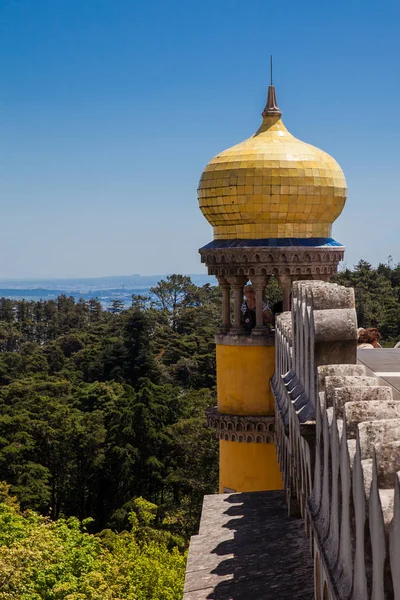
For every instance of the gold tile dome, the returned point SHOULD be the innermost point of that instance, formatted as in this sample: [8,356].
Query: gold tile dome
[272,185]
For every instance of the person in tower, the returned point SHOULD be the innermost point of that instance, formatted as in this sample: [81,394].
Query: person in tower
[249,310]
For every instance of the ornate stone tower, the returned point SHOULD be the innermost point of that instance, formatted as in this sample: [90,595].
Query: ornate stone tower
[271,200]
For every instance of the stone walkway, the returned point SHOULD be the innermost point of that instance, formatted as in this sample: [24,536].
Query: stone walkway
[385,364]
[249,549]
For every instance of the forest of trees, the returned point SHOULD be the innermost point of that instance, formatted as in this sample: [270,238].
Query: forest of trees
[101,422]
[104,451]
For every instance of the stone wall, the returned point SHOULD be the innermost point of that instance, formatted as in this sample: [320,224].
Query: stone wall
[338,443]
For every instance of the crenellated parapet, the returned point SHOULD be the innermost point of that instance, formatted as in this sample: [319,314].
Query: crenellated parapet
[338,441]
[321,329]
[351,506]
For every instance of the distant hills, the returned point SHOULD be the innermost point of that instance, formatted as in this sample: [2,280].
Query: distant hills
[104,289]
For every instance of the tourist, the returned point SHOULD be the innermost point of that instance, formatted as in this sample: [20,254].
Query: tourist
[368,338]
[249,310]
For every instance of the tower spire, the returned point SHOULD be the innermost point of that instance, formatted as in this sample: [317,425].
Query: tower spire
[270,69]
[271,108]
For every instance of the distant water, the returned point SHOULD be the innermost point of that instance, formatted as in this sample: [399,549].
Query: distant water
[104,289]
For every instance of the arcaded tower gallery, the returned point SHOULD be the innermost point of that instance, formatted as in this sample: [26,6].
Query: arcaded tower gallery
[271,200]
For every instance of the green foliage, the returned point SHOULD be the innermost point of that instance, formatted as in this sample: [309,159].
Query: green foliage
[90,398]
[173,295]
[102,423]
[59,560]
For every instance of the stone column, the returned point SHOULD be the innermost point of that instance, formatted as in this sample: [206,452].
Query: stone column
[259,284]
[226,304]
[237,284]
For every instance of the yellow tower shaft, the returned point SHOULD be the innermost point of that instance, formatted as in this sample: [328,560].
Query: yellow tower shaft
[244,370]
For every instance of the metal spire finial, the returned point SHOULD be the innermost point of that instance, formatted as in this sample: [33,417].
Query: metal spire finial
[270,68]
[271,109]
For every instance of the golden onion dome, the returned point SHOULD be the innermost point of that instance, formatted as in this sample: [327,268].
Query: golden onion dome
[272,186]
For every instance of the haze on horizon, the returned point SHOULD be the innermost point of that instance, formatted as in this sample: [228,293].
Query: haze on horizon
[110,111]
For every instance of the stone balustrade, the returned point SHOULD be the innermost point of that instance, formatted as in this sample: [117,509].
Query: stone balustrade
[338,442]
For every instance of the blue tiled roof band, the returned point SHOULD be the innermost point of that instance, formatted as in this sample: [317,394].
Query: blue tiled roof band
[274,243]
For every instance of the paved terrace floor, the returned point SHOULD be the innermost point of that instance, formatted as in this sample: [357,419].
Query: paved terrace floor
[385,364]
[249,549]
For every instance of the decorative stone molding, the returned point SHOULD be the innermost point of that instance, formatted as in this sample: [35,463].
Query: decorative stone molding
[241,428]
[296,262]
[245,340]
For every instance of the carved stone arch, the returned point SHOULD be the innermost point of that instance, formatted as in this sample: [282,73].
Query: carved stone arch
[252,272]
[325,269]
[260,427]
[244,258]
[230,426]
[297,270]
[283,258]
[270,258]
[226,437]
[295,258]
[263,271]
[250,427]
[287,271]
[241,271]
[308,270]
[249,438]
[233,259]
[318,257]
[275,271]
[307,257]
[240,438]
[239,427]
[222,259]
[317,270]
[259,438]
[257,258]
[326,257]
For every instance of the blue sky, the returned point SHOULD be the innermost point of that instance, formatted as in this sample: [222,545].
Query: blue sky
[110,109]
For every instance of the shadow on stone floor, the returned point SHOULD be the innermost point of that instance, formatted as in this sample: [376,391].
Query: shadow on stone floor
[266,552]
